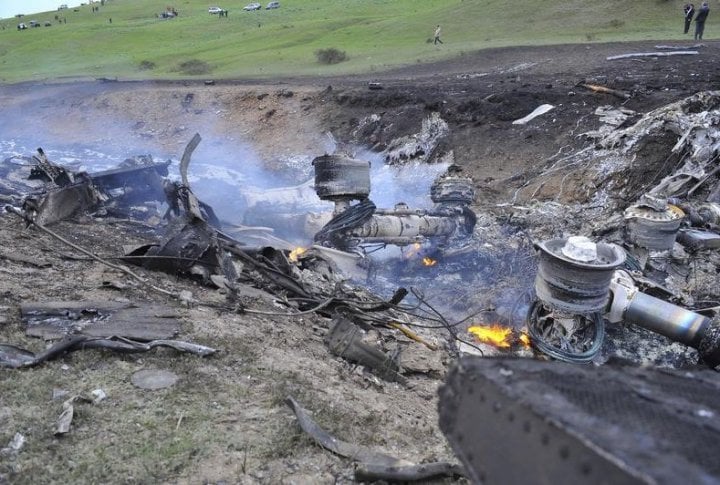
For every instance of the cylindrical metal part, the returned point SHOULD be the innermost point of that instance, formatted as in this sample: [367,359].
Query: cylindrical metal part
[400,212]
[573,286]
[453,190]
[710,343]
[670,320]
[338,177]
[397,241]
[652,229]
[409,226]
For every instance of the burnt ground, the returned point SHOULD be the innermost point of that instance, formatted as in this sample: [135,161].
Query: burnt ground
[225,420]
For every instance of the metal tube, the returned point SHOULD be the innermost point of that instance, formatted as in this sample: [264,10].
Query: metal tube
[667,319]
[410,226]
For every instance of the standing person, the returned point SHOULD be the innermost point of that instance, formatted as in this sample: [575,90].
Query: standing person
[437,35]
[689,10]
[700,20]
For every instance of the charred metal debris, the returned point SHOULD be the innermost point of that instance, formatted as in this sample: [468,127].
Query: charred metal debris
[625,233]
[644,266]
[649,233]
[195,245]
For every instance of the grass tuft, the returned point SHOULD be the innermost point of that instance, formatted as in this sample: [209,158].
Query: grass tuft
[194,67]
[330,56]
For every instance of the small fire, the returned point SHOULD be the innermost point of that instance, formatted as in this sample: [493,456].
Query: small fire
[295,254]
[427,261]
[500,336]
[525,340]
[495,335]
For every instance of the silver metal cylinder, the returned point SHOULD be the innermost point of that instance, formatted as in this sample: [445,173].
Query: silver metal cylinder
[667,319]
[338,177]
[652,229]
[409,226]
[575,286]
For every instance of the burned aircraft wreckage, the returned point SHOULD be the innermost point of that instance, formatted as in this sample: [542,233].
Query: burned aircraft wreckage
[638,269]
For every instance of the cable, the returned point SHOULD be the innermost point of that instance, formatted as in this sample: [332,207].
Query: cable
[566,356]
[352,217]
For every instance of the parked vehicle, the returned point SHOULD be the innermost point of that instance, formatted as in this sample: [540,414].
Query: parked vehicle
[214,10]
[63,6]
[22,26]
[272,5]
[48,23]
[34,23]
[252,6]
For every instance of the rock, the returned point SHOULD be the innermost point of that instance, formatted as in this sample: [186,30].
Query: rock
[153,379]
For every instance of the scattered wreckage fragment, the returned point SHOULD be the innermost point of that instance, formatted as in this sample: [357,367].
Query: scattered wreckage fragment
[372,465]
[653,54]
[596,88]
[135,181]
[539,111]
[15,357]
[54,320]
[510,419]
[344,340]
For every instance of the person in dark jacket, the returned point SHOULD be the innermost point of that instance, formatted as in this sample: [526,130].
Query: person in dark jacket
[689,10]
[700,20]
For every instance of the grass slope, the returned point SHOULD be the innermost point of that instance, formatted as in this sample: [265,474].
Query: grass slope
[376,34]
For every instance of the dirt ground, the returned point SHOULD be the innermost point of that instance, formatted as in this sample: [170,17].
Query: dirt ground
[225,421]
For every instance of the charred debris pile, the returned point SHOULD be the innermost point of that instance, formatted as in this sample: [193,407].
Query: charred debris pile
[625,225]
[610,251]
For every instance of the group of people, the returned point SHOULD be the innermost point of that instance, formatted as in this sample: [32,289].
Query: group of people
[700,18]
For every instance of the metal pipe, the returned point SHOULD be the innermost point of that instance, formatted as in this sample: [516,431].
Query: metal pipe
[409,226]
[670,320]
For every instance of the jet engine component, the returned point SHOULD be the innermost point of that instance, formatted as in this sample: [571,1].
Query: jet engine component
[653,224]
[574,274]
[341,180]
[578,281]
[677,323]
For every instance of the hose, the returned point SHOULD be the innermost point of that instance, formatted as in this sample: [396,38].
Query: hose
[352,217]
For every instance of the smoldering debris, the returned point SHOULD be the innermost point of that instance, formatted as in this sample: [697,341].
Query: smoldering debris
[195,246]
[649,188]
[444,238]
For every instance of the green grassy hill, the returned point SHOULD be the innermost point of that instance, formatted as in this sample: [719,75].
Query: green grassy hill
[375,34]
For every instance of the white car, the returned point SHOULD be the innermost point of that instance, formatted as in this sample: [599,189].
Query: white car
[272,5]
[214,10]
[252,6]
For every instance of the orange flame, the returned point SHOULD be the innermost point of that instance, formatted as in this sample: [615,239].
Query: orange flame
[525,340]
[427,261]
[495,335]
[295,254]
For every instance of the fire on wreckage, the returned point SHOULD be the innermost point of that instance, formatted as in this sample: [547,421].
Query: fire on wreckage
[580,284]
[615,423]
[559,325]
